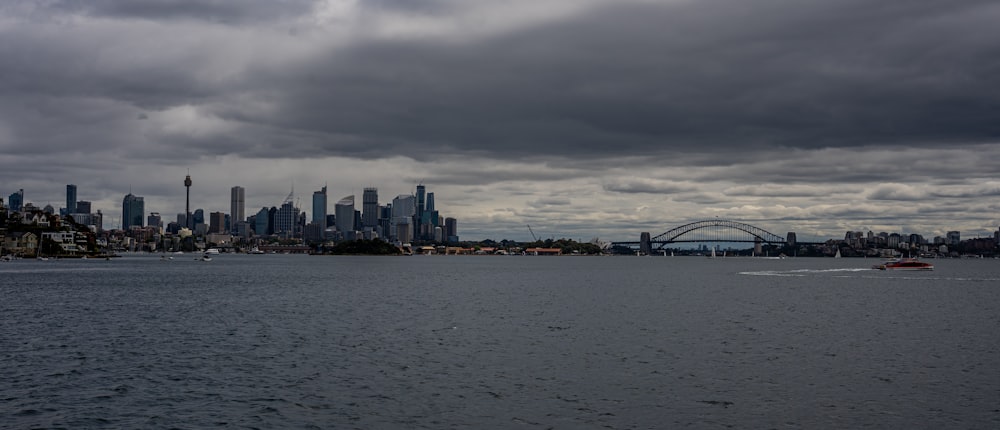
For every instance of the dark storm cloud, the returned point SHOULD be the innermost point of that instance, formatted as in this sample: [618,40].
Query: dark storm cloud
[676,83]
[656,79]
[221,11]
[647,186]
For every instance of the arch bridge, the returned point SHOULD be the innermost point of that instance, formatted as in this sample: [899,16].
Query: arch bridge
[716,230]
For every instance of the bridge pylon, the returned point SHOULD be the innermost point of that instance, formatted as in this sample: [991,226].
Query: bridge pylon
[645,247]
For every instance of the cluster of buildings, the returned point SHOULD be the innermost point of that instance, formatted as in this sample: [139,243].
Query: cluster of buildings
[406,218]
[949,245]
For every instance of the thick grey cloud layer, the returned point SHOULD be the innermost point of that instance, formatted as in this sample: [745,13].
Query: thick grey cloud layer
[699,108]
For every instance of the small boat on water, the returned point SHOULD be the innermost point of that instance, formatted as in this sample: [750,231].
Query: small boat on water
[904,264]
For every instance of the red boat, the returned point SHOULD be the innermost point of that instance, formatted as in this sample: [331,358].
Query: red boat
[905,264]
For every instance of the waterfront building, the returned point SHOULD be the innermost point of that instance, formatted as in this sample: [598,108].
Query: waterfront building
[369,208]
[319,207]
[70,199]
[133,208]
[237,205]
[953,238]
[451,229]
[313,233]
[344,211]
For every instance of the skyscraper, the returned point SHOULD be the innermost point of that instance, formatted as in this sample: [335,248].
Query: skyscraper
[261,222]
[344,209]
[83,207]
[132,211]
[285,219]
[319,207]
[421,196]
[198,217]
[237,206]
[451,229]
[217,222]
[369,208]
[71,199]
[401,224]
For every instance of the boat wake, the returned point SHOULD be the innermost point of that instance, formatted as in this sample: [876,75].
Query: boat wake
[859,273]
[802,272]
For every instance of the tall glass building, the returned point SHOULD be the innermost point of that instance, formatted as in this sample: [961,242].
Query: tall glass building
[133,208]
[319,207]
[16,201]
[70,199]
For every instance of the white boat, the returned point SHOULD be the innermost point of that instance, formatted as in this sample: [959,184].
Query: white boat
[211,251]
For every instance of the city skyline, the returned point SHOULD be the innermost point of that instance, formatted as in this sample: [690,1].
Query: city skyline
[584,118]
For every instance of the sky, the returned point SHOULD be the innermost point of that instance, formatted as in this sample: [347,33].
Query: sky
[581,118]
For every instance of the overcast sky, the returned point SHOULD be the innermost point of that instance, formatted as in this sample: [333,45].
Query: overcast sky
[582,118]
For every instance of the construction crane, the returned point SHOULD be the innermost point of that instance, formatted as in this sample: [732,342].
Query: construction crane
[532,233]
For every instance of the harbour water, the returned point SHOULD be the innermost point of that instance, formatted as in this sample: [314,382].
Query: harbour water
[285,341]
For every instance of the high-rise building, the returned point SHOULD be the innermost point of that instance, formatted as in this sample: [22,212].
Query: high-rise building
[237,206]
[953,238]
[83,207]
[133,208]
[344,210]
[319,207]
[16,201]
[369,208]
[421,196]
[260,222]
[285,220]
[154,220]
[430,202]
[451,229]
[71,199]
[198,217]
[404,208]
[217,222]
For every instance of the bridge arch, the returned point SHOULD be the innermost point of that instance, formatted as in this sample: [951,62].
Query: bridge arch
[715,230]
[720,231]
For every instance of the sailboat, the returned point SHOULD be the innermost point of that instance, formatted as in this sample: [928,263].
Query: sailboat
[837,255]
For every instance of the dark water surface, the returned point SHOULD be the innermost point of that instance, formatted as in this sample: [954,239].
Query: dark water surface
[281,341]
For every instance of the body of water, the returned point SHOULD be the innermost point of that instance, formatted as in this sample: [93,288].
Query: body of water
[285,341]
